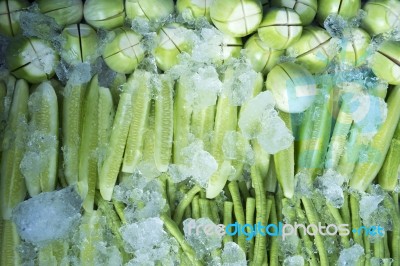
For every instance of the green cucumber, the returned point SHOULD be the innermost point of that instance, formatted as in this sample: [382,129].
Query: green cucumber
[88,162]
[164,119]
[112,163]
[141,106]
[12,183]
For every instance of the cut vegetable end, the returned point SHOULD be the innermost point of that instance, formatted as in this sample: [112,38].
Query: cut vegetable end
[164,125]
[110,169]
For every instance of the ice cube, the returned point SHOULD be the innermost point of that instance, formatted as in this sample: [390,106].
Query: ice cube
[48,216]
[107,255]
[206,87]
[197,163]
[304,186]
[250,120]
[142,196]
[144,234]
[197,235]
[35,24]
[350,256]
[236,147]
[335,25]
[201,84]
[288,246]
[208,46]
[141,25]
[369,204]
[149,242]
[239,81]
[275,136]
[294,261]
[233,255]
[330,185]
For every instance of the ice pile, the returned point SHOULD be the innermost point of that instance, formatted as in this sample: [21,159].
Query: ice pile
[208,46]
[372,211]
[36,24]
[197,163]
[202,85]
[195,234]
[142,197]
[149,242]
[350,256]
[233,255]
[369,204]
[294,261]
[330,185]
[259,120]
[48,216]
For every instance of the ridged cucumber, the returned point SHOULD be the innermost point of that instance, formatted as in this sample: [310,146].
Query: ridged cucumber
[40,161]
[164,119]
[88,162]
[339,137]
[225,120]
[12,186]
[203,124]
[71,129]
[105,121]
[112,163]
[9,253]
[92,232]
[284,163]
[182,116]
[141,106]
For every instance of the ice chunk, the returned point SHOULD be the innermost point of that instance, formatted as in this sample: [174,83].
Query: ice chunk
[197,163]
[335,25]
[36,24]
[142,25]
[39,146]
[304,186]
[198,236]
[330,185]
[202,85]
[350,256]
[236,147]
[48,216]
[239,81]
[144,234]
[258,119]
[208,46]
[149,242]
[369,204]
[107,255]
[142,196]
[250,120]
[288,246]
[275,135]
[148,169]
[233,255]
[379,262]
[294,261]
[76,75]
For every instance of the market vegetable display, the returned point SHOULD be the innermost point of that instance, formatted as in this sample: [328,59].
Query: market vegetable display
[160,132]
